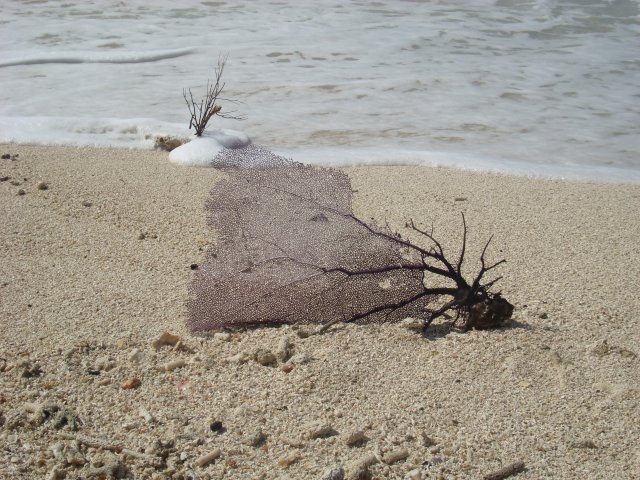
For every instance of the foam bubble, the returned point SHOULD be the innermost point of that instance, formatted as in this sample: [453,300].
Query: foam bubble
[201,151]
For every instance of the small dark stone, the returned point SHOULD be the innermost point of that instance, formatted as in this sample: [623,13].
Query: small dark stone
[320,217]
[217,427]
[4,179]
[6,156]
[21,192]
[91,371]
[193,266]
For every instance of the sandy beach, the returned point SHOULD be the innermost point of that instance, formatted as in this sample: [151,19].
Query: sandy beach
[96,250]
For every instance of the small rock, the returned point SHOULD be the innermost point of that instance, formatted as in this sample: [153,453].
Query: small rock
[427,441]
[239,358]
[141,236]
[255,439]
[359,469]
[72,456]
[414,324]
[86,203]
[104,363]
[56,473]
[333,473]
[174,365]
[193,266]
[286,367]
[299,359]
[42,186]
[21,192]
[353,438]
[58,451]
[584,444]
[6,156]
[318,430]
[206,459]
[285,349]
[395,456]
[216,426]
[166,338]
[460,199]
[4,179]
[415,474]
[289,459]
[135,356]
[264,357]
[131,383]
[144,413]
[222,336]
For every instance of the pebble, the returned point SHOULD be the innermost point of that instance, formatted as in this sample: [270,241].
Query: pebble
[135,356]
[359,469]
[21,192]
[174,365]
[141,236]
[395,456]
[144,413]
[86,203]
[56,473]
[238,358]
[255,439]
[222,336]
[167,338]
[333,473]
[414,324]
[264,357]
[289,459]
[4,179]
[131,383]
[318,430]
[285,349]
[206,459]
[42,186]
[353,438]
[299,359]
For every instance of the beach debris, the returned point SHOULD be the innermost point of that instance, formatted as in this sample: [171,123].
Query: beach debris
[135,356]
[103,444]
[166,338]
[56,473]
[201,112]
[255,439]
[395,456]
[21,192]
[414,324]
[6,156]
[318,429]
[140,236]
[415,474]
[144,413]
[239,358]
[168,143]
[506,472]
[264,357]
[222,336]
[289,459]
[4,178]
[216,426]
[174,365]
[131,383]
[359,468]
[285,349]
[28,369]
[304,271]
[42,186]
[586,444]
[333,473]
[286,367]
[86,203]
[207,458]
[353,438]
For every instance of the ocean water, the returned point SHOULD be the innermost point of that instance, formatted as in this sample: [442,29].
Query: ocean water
[539,87]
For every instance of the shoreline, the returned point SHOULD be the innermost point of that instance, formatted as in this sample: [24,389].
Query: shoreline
[97,265]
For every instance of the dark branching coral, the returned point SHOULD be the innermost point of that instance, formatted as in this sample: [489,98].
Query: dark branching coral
[290,250]
[201,112]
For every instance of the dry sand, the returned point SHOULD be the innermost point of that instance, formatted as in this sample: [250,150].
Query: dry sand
[83,297]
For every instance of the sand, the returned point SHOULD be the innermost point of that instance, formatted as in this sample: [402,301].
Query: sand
[96,266]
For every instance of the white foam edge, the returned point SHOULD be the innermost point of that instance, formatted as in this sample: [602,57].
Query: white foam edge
[201,151]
